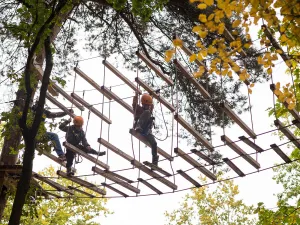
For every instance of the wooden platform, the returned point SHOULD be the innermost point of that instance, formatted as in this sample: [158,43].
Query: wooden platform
[158,169]
[80,191]
[234,167]
[251,144]
[146,183]
[115,189]
[187,177]
[281,153]
[203,156]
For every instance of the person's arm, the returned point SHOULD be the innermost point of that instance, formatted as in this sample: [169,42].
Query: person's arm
[135,101]
[63,126]
[84,141]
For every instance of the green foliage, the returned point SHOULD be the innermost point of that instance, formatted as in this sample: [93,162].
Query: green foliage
[209,205]
[71,211]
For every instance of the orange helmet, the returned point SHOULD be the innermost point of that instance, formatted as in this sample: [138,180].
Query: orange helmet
[146,99]
[78,121]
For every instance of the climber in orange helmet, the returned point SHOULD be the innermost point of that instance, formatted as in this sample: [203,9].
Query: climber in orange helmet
[75,136]
[144,121]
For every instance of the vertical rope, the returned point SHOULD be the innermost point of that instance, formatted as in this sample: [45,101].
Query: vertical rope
[83,93]
[108,129]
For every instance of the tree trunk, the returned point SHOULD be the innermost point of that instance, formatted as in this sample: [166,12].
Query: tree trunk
[23,184]
[3,200]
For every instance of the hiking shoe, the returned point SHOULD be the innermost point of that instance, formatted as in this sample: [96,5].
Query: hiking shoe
[62,157]
[101,153]
[155,160]
[70,172]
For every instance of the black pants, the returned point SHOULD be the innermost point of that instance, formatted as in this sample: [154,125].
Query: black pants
[144,122]
[70,155]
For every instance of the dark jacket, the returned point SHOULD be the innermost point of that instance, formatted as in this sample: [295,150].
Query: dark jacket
[74,136]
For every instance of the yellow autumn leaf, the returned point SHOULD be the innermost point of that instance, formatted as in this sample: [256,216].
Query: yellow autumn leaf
[229,74]
[277,92]
[236,23]
[202,6]
[202,34]
[198,74]
[221,28]
[252,85]
[283,38]
[277,86]
[247,45]
[242,77]
[177,42]
[210,17]
[282,29]
[193,57]
[291,106]
[269,70]
[211,49]
[196,29]
[249,90]
[202,18]
[209,2]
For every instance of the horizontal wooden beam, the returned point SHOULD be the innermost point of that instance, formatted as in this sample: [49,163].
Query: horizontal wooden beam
[68,97]
[203,156]
[53,184]
[11,168]
[81,182]
[153,174]
[234,167]
[195,163]
[117,99]
[296,123]
[195,133]
[192,79]
[116,180]
[114,189]
[155,68]
[186,176]
[287,133]
[90,81]
[237,120]
[115,149]
[82,192]
[91,108]
[143,139]
[40,74]
[158,169]
[281,153]
[154,94]
[240,151]
[146,183]
[119,176]
[85,155]
[59,105]
[251,144]
[121,76]
[293,112]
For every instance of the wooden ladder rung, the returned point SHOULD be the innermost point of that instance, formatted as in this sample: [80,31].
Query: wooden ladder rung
[240,151]
[190,179]
[195,164]
[281,153]
[117,99]
[158,169]
[11,168]
[119,176]
[203,156]
[115,189]
[234,167]
[121,76]
[143,139]
[81,182]
[155,68]
[237,120]
[91,108]
[116,180]
[287,133]
[296,123]
[192,79]
[251,144]
[85,155]
[195,133]
[153,93]
[91,82]
[59,105]
[82,192]
[146,183]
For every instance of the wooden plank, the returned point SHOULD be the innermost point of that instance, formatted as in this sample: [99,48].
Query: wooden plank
[237,119]
[11,168]
[115,190]
[234,167]
[81,182]
[296,123]
[82,192]
[68,97]
[195,163]
[59,105]
[240,151]
[192,79]
[53,184]
[287,133]
[90,81]
[281,153]
[158,169]
[121,76]
[115,149]
[186,176]
[119,176]
[293,112]
[117,99]
[153,174]
[146,183]
[143,139]
[195,133]
[40,74]
[85,155]
[116,180]
[155,68]
[154,94]
[203,156]
[251,144]
[91,108]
